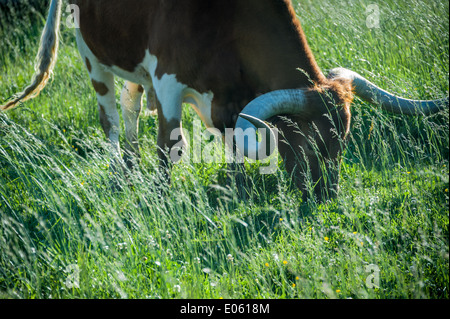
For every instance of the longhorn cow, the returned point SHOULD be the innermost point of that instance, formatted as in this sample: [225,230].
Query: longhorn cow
[240,63]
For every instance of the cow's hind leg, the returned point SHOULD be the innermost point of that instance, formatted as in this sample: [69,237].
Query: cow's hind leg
[131,102]
[103,83]
[151,102]
[109,117]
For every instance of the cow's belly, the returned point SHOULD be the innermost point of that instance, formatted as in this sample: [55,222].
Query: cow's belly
[144,74]
[139,76]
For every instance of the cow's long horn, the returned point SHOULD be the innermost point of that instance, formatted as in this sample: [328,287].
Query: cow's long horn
[390,102]
[256,112]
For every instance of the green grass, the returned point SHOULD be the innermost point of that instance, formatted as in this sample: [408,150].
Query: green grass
[59,218]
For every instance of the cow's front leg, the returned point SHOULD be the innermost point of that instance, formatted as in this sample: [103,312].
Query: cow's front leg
[237,177]
[131,102]
[171,141]
[235,172]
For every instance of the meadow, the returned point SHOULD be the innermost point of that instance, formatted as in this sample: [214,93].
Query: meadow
[65,233]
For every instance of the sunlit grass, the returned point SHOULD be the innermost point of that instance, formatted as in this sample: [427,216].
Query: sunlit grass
[65,233]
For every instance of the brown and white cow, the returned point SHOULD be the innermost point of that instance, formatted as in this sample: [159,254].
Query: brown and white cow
[236,61]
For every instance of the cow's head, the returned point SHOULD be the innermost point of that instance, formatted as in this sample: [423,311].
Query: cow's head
[313,124]
[311,144]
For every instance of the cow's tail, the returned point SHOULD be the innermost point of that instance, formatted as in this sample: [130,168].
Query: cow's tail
[46,57]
